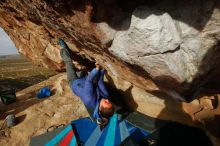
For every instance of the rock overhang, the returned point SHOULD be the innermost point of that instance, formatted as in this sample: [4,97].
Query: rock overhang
[165,43]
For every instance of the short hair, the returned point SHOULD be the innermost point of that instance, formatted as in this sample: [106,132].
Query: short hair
[107,112]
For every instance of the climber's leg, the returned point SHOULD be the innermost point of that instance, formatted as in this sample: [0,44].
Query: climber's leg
[66,56]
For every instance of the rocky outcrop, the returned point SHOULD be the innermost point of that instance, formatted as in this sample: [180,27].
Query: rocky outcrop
[202,112]
[160,48]
[173,52]
[164,42]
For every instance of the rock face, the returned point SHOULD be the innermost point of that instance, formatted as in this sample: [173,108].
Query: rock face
[169,49]
[165,42]
[157,46]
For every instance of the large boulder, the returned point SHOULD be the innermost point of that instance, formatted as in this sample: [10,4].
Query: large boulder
[169,45]
[156,46]
[172,52]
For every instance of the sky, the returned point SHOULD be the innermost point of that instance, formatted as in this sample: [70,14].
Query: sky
[7,47]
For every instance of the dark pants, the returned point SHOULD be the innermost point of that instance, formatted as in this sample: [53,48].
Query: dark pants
[72,75]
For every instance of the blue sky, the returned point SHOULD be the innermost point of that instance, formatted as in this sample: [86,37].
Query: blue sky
[7,47]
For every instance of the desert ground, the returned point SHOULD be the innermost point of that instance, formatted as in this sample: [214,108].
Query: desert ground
[18,73]
[33,115]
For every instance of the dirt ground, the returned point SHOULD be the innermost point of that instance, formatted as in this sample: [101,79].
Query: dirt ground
[34,116]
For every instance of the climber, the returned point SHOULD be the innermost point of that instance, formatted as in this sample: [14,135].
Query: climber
[90,88]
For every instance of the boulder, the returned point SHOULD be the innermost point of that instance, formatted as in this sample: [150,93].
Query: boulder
[160,49]
[171,52]
[168,44]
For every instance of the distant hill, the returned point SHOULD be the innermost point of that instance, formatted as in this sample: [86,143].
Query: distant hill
[18,73]
[15,56]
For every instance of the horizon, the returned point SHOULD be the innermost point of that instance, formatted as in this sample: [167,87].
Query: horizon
[11,55]
[7,46]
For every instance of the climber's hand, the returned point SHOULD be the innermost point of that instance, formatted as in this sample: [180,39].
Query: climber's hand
[98,67]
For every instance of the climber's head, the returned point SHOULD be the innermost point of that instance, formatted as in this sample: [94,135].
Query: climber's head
[106,108]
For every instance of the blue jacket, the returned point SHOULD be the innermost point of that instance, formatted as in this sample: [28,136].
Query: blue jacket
[91,90]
